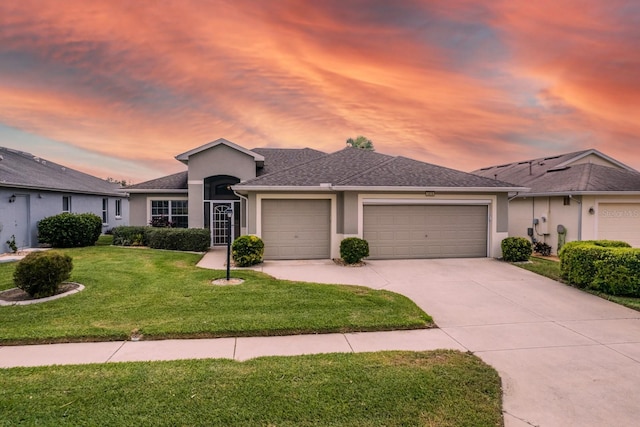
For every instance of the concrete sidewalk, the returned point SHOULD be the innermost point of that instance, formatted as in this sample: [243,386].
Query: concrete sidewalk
[227,348]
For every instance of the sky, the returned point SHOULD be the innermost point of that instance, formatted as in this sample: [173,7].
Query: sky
[119,88]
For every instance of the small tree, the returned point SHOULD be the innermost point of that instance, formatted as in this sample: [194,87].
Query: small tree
[361,142]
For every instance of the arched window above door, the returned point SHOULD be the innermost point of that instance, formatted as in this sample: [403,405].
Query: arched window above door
[218,187]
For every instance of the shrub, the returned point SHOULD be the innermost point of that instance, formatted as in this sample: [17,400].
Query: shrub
[353,250]
[69,230]
[40,273]
[516,249]
[247,250]
[578,259]
[542,248]
[130,235]
[161,222]
[179,239]
[618,273]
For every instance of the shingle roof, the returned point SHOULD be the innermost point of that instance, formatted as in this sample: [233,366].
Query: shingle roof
[363,168]
[176,181]
[557,174]
[24,170]
[276,159]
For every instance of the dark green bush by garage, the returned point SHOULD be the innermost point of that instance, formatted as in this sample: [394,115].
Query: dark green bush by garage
[70,230]
[40,273]
[577,259]
[179,239]
[130,235]
[247,250]
[353,250]
[516,249]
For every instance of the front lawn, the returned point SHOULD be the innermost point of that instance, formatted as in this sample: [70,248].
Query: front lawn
[441,388]
[164,295]
[551,269]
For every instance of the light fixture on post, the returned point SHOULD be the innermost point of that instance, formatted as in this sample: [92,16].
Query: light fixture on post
[229,214]
[12,198]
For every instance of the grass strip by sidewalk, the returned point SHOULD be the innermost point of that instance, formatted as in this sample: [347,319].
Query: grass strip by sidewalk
[164,295]
[551,269]
[441,388]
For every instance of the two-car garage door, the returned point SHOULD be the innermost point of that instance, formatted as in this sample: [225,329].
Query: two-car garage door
[426,231]
[301,229]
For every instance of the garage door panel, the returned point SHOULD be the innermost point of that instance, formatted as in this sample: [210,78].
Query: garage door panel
[619,221]
[296,229]
[426,231]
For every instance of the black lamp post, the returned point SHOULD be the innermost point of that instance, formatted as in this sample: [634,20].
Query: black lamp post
[229,214]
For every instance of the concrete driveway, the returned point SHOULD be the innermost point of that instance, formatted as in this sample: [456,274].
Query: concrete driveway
[566,358]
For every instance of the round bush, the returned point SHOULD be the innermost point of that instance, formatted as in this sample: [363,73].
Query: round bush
[516,249]
[40,273]
[69,230]
[247,250]
[353,249]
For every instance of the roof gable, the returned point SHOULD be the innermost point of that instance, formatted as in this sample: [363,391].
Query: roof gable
[24,170]
[184,157]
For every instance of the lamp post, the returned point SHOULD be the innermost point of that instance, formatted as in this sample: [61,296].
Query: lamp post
[229,214]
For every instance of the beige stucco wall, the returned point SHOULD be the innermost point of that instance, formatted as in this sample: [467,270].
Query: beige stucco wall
[596,160]
[218,160]
[580,224]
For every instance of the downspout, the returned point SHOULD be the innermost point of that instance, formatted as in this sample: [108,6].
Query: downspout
[246,208]
[513,197]
[579,217]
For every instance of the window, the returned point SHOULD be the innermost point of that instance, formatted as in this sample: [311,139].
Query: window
[105,211]
[175,212]
[66,203]
[118,208]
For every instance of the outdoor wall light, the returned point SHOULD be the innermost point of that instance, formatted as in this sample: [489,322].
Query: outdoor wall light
[12,198]
[591,210]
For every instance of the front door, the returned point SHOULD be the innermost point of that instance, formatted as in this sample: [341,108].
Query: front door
[18,224]
[219,221]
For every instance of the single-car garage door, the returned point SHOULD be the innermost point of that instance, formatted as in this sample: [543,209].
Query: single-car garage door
[426,231]
[619,221]
[296,229]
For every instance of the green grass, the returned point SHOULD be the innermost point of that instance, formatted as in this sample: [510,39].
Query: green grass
[441,388]
[551,269]
[164,295]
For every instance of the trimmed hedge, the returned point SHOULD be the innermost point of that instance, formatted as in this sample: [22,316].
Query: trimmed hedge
[130,235]
[40,273]
[618,273]
[516,249]
[578,258]
[353,250]
[70,230]
[247,250]
[179,239]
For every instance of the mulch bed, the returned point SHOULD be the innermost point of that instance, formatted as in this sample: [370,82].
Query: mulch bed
[15,294]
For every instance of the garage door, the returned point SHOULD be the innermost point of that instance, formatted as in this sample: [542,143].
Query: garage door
[619,221]
[296,229]
[431,231]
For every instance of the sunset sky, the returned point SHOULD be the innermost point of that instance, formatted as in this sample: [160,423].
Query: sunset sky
[119,88]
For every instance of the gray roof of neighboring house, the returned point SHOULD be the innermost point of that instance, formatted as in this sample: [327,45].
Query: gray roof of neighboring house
[24,170]
[558,174]
[176,181]
[355,167]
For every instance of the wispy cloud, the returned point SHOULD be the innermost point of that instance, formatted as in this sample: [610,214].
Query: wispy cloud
[453,83]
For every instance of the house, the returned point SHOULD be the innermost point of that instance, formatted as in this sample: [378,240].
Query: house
[303,202]
[575,196]
[33,188]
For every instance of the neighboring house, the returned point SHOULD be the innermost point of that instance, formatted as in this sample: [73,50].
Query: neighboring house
[589,194]
[303,202]
[32,188]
